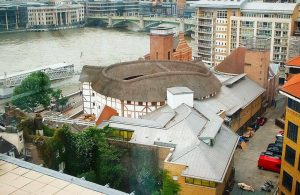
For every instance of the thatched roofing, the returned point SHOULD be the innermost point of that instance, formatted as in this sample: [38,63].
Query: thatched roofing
[147,81]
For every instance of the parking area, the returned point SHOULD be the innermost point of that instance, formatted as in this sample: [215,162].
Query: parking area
[246,160]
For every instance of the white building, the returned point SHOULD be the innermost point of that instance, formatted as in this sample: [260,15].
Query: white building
[57,16]
[223,25]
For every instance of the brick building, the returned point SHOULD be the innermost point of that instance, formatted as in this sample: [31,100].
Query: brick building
[164,46]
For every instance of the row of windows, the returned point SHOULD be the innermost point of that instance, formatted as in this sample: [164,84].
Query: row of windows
[144,103]
[287,182]
[294,105]
[220,50]
[123,134]
[266,15]
[200,182]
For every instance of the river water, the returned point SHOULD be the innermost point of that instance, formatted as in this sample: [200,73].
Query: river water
[84,46]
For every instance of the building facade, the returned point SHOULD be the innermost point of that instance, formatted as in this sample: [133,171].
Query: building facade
[193,144]
[222,26]
[164,46]
[60,16]
[289,180]
[140,86]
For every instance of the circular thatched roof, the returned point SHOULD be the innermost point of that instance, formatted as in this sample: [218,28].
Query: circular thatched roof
[147,81]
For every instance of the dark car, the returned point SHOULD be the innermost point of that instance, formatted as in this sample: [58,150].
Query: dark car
[276,144]
[275,150]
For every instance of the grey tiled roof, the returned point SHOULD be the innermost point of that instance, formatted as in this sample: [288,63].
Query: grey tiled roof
[187,132]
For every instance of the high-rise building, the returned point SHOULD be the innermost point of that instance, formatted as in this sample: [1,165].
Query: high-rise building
[222,26]
[289,181]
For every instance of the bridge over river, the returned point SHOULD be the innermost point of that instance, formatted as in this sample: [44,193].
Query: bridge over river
[144,23]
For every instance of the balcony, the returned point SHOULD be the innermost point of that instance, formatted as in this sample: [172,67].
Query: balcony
[205,38]
[204,24]
[200,44]
[205,16]
[206,31]
[203,52]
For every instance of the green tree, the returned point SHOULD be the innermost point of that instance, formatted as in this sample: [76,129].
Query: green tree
[34,90]
[169,186]
[62,102]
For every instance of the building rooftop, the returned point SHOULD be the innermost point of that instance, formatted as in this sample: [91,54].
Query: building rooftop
[234,97]
[147,81]
[292,87]
[20,177]
[266,7]
[179,90]
[218,3]
[294,61]
[198,136]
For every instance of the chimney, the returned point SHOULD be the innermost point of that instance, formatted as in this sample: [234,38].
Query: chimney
[180,95]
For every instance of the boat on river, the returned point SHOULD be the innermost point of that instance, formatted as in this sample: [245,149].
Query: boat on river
[54,71]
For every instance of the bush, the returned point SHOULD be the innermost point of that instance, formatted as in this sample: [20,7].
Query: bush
[48,131]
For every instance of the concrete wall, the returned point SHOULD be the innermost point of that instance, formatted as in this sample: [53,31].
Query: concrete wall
[257,66]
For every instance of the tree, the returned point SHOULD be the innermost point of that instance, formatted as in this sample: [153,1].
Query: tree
[34,90]
[170,186]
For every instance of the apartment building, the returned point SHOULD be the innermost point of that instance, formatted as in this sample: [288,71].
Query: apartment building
[289,180]
[57,16]
[222,26]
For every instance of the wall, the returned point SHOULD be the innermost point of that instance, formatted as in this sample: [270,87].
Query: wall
[160,45]
[246,114]
[14,138]
[294,117]
[257,66]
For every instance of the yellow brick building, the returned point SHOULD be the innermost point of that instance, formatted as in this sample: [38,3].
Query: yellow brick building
[289,181]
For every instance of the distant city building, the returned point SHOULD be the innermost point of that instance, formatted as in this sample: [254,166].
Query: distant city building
[59,16]
[222,26]
[164,46]
[113,8]
[289,180]
[193,144]
[13,17]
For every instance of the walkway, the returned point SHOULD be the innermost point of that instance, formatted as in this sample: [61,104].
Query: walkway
[246,160]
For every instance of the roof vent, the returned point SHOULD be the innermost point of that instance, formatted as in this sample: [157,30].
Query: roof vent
[179,95]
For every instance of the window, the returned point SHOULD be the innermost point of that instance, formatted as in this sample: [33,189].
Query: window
[200,182]
[290,154]
[169,55]
[297,188]
[128,102]
[156,55]
[292,131]
[294,105]
[222,14]
[287,181]
[140,103]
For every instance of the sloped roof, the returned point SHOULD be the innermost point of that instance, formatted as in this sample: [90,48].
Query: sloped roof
[186,132]
[267,7]
[231,99]
[106,114]
[217,3]
[294,61]
[147,81]
[292,86]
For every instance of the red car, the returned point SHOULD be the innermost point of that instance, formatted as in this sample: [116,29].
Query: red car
[269,162]
[261,121]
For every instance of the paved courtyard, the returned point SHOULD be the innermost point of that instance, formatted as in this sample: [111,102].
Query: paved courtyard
[246,160]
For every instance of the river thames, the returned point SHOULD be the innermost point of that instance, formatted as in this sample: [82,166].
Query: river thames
[84,46]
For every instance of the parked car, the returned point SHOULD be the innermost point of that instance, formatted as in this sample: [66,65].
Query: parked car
[275,150]
[269,162]
[279,139]
[276,144]
[261,121]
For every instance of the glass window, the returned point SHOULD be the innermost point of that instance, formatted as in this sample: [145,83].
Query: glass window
[292,131]
[294,105]
[197,181]
[290,155]
[189,180]
[222,14]
[287,181]
[297,188]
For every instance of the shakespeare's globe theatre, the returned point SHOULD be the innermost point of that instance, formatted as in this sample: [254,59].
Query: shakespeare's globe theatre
[138,87]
